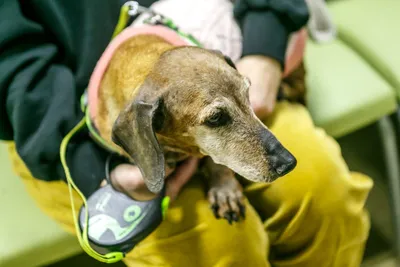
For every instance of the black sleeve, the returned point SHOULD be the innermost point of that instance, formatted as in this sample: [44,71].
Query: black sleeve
[39,103]
[147,3]
[266,25]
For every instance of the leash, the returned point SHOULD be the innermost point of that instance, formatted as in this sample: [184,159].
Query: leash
[83,238]
[134,211]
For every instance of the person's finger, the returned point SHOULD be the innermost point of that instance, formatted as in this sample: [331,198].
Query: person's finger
[168,171]
[261,110]
[180,177]
[128,179]
[131,173]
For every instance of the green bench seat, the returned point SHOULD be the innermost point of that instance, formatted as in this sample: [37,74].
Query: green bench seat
[372,28]
[344,93]
[28,238]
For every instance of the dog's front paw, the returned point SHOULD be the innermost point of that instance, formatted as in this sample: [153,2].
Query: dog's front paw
[227,200]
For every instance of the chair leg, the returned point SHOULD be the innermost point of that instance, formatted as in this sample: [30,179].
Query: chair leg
[388,136]
[398,118]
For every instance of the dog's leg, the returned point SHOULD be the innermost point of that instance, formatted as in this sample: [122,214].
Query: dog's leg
[225,193]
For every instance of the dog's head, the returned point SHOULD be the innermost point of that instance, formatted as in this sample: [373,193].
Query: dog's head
[195,102]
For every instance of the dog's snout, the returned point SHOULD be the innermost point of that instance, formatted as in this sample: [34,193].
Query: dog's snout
[281,161]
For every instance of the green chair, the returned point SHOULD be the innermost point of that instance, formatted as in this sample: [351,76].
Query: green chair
[353,81]
[28,238]
[344,92]
[372,28]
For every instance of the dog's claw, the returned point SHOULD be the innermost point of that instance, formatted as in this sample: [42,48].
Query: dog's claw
[235,217]
[215,208]
[227,203]
[228,217]
[242,211]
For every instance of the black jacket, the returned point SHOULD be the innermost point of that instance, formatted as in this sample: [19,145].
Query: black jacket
[48,49]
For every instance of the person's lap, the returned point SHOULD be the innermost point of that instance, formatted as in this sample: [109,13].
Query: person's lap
[314,216]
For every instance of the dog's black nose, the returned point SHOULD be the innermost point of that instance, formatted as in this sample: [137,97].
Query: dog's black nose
[282,162]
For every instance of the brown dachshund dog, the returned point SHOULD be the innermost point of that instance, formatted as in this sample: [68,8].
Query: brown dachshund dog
[159,104]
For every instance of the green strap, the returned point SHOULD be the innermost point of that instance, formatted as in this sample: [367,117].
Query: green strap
[96,135]
[170,24]
[82,238]
[100,140]
[122,21]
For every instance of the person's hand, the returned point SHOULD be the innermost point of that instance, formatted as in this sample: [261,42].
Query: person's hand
[128,179]
[265,75]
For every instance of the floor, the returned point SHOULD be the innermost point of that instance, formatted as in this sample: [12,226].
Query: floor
[362,151]
[383,260]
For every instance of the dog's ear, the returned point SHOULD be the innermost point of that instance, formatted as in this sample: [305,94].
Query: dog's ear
[227,59]
[135,132]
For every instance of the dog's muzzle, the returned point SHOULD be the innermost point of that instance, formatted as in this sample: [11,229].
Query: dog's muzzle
[280,160]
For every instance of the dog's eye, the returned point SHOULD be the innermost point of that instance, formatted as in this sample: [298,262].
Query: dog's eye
[218,119]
